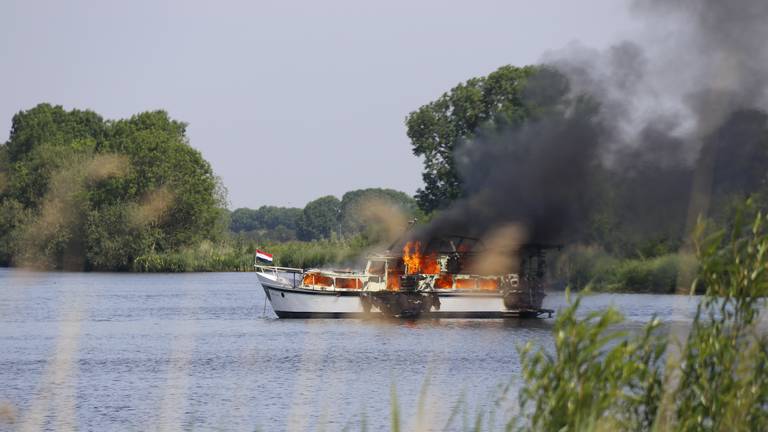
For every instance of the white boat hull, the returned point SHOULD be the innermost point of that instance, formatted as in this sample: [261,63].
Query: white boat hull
[295,302]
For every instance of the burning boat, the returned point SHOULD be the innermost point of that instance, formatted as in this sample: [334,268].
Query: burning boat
[433,280]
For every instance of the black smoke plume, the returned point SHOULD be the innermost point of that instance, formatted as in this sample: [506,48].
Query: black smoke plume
[636,138]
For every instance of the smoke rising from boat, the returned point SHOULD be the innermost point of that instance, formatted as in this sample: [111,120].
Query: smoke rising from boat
[388,219]
[669,117]
[500,254]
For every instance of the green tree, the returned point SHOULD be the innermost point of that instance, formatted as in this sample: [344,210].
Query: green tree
[12,215]
[369,211]
[320,218]
[77,191]
[437,128]
[265,218]
[245,219]
[161,157]
[47,124]
[266,223]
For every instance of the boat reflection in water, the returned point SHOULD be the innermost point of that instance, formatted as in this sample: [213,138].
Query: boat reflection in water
[416,283]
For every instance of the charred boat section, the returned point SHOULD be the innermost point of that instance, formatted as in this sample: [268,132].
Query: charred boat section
[522,293]
[527,294]
[432,280]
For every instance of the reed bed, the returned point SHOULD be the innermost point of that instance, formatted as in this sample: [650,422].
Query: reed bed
[237,255]
[591,267]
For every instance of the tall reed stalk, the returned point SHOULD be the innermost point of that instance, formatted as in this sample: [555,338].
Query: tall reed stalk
[713,379]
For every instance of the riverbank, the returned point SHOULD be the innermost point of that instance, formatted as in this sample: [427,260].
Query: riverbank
[238,256]
[591,267]
[578,267]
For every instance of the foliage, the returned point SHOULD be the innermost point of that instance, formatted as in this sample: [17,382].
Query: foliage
[600,379]
[206,256]
[317,253]
[591,267]
[376,213]
[12,214]
[274,223]
[437,128]
[320,218]
[237,254]
[84,193]
[724,365]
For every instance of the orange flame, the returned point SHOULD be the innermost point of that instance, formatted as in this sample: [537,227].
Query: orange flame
[416,262]
[393,280]
[488,284]
[445,281]
[349,283]
[317,279]
[412,257]
[430,264]
[466,283]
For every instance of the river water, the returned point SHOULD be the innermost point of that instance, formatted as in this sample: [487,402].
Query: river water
[104,351]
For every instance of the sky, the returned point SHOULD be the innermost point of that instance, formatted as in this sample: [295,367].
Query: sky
[287,100]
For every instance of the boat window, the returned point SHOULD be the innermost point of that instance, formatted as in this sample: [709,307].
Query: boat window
[317,279]
[445,281]
[376,268]
[349,283]
[393,279]
[466,283]
[488,284]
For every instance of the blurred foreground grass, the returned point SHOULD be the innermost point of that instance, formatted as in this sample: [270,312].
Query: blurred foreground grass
[711,375]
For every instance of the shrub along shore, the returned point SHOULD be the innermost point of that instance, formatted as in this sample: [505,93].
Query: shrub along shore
[578,268]
[590,267]
[238,256]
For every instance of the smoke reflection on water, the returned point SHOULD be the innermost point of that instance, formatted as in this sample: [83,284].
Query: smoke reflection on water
[177,352]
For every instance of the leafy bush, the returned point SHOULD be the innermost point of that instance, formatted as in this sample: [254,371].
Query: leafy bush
[582,267]
[80,192]
[601,379]
[596,371]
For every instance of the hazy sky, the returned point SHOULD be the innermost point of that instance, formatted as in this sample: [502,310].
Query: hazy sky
[288,100]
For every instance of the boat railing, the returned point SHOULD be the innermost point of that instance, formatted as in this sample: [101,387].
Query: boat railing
[276,270]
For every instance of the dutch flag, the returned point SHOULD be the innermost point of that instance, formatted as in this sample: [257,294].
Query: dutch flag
[263,256]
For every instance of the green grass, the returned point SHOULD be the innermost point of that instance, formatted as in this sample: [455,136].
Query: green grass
[315,253]
[237,255]
[205,257]
[591,267]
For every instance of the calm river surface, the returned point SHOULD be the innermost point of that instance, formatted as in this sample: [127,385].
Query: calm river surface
[100,351]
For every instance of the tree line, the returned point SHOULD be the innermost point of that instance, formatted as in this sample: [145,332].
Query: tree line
[328,217]
[80,192]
